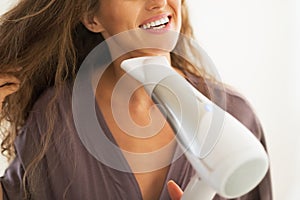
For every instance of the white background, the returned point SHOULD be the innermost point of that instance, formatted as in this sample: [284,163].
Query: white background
[255,48]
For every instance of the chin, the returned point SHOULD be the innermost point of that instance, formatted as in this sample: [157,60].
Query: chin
[139,40]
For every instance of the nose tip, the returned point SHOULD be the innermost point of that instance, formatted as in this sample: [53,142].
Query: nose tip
[155,4]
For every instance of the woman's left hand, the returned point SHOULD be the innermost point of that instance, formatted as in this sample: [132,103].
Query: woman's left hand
[8,84]
[175,191]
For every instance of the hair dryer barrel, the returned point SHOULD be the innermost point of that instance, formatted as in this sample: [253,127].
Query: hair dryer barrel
[221,149]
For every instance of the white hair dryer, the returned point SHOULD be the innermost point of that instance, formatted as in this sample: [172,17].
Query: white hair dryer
[226,156]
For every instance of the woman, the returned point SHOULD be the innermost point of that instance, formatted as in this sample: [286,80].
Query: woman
[49,39]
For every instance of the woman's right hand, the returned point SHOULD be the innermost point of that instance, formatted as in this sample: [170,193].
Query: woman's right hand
[8,84]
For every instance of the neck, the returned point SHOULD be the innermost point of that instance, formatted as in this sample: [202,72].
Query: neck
[116,82]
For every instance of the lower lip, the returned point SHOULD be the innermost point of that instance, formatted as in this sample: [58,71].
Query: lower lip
[160,31]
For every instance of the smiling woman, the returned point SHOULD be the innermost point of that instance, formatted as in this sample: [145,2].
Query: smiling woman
[48,41]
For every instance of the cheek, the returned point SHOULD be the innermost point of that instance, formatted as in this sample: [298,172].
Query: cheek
[119,20]
[110,24]
[176,3]
[177,7]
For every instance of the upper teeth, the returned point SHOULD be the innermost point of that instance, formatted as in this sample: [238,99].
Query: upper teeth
[159,22]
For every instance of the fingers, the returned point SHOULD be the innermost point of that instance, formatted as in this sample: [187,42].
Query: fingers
[7,90]
[8,85]
[7,79]
[175,191]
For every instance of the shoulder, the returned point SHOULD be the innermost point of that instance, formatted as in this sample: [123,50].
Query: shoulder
[230,100]
[239,107]
[49,116]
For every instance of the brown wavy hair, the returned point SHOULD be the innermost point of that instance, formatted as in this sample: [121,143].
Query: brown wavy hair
[44,39]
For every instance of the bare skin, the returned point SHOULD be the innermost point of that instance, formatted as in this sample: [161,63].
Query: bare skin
[108,23]
[150,183]
[8,85]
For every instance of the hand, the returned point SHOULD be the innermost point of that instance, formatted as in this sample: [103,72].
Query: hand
[175,191]
[8,85]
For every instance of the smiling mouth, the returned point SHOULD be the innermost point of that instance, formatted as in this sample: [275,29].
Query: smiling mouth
[156,24]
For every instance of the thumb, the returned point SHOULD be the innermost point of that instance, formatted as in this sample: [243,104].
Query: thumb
[175,191]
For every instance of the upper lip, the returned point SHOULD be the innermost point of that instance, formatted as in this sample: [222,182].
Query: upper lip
[157,17]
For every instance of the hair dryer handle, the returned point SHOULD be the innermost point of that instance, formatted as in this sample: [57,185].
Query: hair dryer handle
[198,190]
